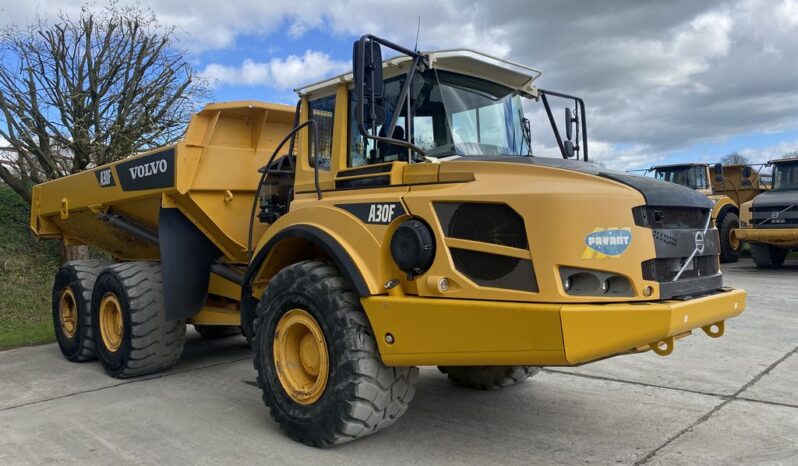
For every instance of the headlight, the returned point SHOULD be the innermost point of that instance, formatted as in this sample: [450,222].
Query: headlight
[413,247]
[584,282]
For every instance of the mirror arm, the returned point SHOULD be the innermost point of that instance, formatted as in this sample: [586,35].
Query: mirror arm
[391,45]
[553,123]
[401,100]
[583,123]
[361,98]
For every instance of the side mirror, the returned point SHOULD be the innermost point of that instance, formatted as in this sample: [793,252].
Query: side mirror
[747,172]
[367,71]
[717,169]
[569,148]
[570,119]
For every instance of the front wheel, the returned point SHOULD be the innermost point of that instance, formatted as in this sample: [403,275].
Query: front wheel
[767,256]
[488,377]
[729,247]
[318,363]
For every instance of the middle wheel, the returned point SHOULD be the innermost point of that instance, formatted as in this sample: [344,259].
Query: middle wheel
[128,312]
[318,363]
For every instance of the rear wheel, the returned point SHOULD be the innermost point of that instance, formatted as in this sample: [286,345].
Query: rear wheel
[134,337]
[213,332]
[729,247]
[72,290]
[488,377]
[767,256]
[317,360]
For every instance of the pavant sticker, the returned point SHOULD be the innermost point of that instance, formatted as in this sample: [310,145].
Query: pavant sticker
[607,242]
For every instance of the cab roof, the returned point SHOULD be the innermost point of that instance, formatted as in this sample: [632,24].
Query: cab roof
[465,61]
[686,164]
[791,159]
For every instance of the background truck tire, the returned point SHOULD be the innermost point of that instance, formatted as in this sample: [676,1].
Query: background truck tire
[488,377]
[361,395]
[728,222]
[767,256]
[73,285]
[147,342]
[212,332]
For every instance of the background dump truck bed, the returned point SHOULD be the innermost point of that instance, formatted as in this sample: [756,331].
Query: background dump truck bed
[210,177]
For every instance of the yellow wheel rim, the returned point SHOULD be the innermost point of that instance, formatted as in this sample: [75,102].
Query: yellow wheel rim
[300,356]
[68,313]
[111,322]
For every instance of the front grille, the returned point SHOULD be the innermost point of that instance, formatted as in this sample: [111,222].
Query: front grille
[494,270]
[664,270]
[783,216]
[670,217]
[486,223]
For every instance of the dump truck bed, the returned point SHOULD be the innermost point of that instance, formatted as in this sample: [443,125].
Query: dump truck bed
[210,177]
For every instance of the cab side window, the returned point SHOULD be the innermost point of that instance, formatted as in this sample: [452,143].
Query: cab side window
[322,111]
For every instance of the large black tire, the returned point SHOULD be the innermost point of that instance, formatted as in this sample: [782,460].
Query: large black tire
[361,395]
[766,256]
[74,282]
[213,332]
[488,377]
[149,343]
[728,253]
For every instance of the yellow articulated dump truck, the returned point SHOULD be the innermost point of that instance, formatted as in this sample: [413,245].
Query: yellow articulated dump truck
[769,222]
[726,186]
[394,218]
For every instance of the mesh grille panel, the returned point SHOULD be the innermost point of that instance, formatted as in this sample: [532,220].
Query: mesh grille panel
[486,223]
[496,271]
[322,111]
[669,217]
[663,270]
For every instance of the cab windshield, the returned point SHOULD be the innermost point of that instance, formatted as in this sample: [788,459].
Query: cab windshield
[693,177]
[453,115]
[785,176]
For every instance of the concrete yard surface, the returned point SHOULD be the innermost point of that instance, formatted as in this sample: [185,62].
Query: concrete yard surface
[713,401]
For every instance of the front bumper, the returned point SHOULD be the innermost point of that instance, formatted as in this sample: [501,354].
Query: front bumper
[781,237]
[447,332]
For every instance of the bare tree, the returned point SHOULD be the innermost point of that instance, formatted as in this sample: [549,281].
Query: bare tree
[735,158]
[790,155]
[80,92]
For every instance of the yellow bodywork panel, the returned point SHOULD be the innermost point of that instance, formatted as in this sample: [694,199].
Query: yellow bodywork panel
[470,332]
[720,202]
[214,170]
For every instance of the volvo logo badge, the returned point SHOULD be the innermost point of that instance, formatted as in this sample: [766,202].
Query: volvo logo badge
[774,215]
[699,242]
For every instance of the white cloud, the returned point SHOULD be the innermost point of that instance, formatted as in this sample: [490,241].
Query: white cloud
[278,73]
[656,76]
[764,154]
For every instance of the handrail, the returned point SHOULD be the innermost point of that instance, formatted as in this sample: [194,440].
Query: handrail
[265,173]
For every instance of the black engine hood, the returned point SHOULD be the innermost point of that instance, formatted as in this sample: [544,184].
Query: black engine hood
[657,193]
[776,199]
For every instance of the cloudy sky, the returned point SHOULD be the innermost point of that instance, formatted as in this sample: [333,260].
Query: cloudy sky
[672,81]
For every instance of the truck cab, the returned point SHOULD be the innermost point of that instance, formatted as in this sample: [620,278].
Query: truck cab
[770,221]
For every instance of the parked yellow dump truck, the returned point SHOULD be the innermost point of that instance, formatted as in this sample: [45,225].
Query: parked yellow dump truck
[769,222]
[727,186]
[406,224]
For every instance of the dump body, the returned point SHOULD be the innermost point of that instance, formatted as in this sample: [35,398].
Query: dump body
[210,177]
